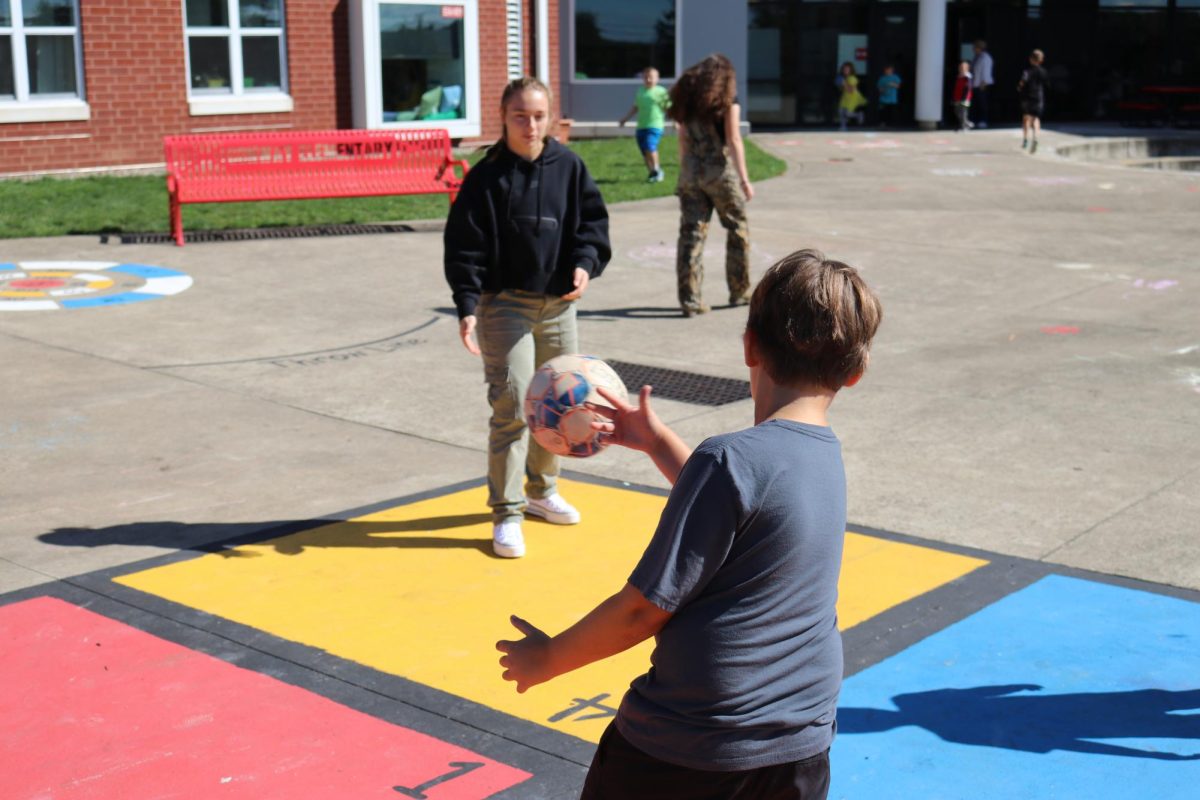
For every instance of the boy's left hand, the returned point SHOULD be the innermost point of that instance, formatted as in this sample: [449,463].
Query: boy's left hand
[526,661]
[581,282]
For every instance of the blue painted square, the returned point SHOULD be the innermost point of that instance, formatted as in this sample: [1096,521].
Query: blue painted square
[1065,689]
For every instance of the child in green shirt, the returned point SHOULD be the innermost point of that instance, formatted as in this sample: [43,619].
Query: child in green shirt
[649,104]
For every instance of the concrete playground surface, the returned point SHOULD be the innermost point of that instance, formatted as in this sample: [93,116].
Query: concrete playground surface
[244,546]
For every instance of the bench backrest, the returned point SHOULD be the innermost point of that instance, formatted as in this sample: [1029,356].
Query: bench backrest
[282,153]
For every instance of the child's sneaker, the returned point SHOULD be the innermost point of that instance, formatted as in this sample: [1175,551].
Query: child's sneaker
[552,509]
[1024,143]
[1033,147]
[657,177]
[507,539]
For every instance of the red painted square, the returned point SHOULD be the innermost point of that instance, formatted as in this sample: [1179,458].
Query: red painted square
[92,708]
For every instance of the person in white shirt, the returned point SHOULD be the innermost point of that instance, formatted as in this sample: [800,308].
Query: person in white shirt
[981,83]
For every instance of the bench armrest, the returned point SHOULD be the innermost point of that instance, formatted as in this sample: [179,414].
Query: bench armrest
[450,164]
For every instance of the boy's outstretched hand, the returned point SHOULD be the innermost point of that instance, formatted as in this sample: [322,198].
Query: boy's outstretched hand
[526,660]
[636,427]
[639,428]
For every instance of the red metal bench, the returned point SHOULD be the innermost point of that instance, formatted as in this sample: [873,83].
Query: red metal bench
[299,165]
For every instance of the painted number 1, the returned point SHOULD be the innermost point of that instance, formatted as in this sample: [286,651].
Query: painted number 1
[418,792]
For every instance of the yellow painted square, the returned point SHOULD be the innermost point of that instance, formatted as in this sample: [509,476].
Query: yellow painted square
[415,591]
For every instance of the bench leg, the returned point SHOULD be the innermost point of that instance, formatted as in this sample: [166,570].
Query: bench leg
[176,221]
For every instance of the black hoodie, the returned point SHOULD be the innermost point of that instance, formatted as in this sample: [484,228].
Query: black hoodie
[525,225]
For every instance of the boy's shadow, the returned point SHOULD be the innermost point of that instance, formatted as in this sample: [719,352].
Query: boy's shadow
[988,716]
[294,535]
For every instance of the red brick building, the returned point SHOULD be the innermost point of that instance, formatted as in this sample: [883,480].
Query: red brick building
[98,83]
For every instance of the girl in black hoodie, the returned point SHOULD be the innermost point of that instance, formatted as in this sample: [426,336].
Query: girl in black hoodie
[527,233]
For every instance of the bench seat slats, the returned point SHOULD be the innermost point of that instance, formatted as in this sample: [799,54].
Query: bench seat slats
[296,165]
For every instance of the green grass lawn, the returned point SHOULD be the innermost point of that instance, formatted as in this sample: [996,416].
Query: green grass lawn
[94,205]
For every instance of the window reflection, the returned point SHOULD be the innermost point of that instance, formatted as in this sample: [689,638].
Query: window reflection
[51,62]
[7,83]
[46,13]
[620,38]
[261,13]
[207,13]
[260,62]
[422,68]
[210,62]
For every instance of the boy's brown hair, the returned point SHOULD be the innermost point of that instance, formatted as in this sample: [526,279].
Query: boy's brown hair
[1037,56]
[813,320]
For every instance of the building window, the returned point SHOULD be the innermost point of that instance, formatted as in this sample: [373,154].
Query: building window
[40,61]
[422,64]
[416,64]
[620,38]
[236,54]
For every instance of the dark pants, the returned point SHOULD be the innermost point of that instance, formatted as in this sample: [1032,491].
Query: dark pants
[979,106]
[622,772]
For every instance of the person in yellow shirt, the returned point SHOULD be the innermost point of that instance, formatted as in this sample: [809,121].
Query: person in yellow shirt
[851,103]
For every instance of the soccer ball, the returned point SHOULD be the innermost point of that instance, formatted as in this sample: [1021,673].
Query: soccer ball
[555,409]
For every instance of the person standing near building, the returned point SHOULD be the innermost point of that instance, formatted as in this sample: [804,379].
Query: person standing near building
[712,175]
[1032,89]
[527,233]
[851,101]
[888,86]
[650,105]
[981,83]
[962,97]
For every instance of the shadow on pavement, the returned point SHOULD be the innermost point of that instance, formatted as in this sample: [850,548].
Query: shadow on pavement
[289,537]
[987,716]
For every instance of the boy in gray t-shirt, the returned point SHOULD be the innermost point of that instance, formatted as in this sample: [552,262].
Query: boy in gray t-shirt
[739,582]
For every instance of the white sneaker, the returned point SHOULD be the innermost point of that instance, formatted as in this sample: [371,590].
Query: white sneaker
[553,509]
[507,539]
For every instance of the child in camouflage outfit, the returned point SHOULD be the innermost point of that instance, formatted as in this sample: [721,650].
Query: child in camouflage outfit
[712,175]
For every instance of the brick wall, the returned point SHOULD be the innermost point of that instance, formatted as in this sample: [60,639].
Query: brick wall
[493,46]
[136,83]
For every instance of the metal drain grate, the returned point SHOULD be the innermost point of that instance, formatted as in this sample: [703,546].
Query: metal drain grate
[251,234]
[687,387]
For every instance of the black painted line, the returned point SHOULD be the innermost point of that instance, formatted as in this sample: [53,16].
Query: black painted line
[1050,567]
[891,632]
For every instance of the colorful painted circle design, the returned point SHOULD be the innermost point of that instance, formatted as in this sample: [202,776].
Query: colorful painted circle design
[51,285]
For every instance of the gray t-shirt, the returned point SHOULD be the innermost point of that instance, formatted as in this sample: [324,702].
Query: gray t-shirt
[746,673]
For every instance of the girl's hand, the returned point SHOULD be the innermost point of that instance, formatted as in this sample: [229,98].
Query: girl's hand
[581,282]
[466,332]
[747,190]
[635,427]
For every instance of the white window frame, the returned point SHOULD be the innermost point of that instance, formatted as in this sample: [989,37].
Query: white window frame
[24,107]
[236,99]
[364,49]
[634,81]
